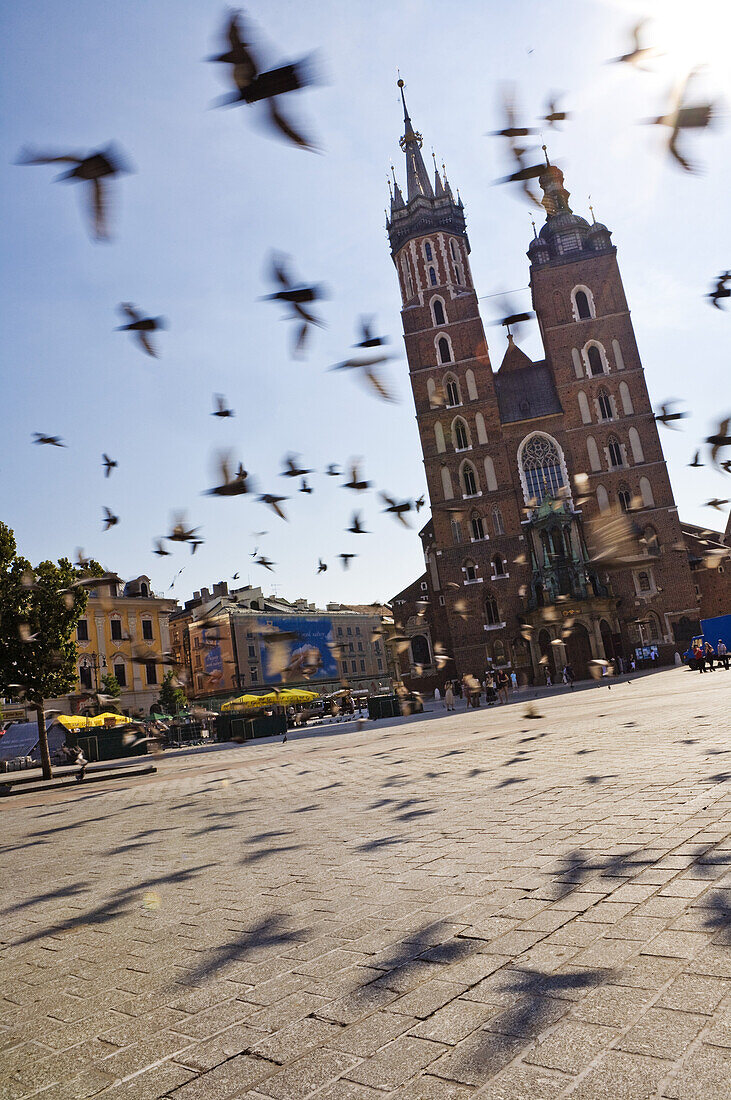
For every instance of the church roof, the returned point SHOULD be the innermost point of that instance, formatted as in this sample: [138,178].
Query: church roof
[525,392]
[514,358]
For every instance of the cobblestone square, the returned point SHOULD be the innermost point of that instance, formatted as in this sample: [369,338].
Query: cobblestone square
[473,904]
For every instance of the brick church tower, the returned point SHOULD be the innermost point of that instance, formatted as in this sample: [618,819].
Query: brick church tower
[554,534]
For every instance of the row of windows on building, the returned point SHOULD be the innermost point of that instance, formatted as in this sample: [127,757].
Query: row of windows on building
[119,671]
[454,267]
[626,499]
[115,628]
[478,527]
[356,666]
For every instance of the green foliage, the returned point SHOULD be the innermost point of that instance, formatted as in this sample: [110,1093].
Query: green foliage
[172,698]
[111,686]
[38,602]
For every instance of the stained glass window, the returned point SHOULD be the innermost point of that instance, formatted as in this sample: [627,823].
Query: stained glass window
[542,467]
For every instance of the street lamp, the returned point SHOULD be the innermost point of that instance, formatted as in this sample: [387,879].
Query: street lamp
[95,661]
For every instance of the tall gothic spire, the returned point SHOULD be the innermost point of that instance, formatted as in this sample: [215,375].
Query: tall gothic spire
[417,178]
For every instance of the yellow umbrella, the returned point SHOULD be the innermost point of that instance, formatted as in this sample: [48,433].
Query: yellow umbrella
[80,722]
[296,695]
[243,702]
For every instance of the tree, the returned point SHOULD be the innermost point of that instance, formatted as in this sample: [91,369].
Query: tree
[172,698]
[39,611]
[111,685]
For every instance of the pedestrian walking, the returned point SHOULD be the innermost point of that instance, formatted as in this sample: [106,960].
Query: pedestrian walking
[449,696]
[437,695]
[514,681]
[709,654]
[503,683]
[722,653]
[490,692]
[570,676]
[549,681]
[699,657]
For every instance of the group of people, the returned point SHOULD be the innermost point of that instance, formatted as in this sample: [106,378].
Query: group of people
[704,655]
[496,687]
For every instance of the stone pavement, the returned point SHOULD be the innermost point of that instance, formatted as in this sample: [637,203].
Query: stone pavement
[483,904]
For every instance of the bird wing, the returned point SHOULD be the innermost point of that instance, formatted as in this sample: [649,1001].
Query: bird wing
[129,311]
[144,340]
[97,200]
[674,152]
[27,156]
[378,386]
[286,127]
[301,339]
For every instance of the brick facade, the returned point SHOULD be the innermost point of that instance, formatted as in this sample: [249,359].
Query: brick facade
[554,527]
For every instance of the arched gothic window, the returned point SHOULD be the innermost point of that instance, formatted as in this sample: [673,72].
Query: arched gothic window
[582,305]
[643,580]
[605,405]
[445,351]
[497,522]
[453,249]
[469,480]
[470,571]
[451,385]
[456,532]
[478,527]
[428,252]
[625,498]
[432,276]
[653,627]
[492,613]
[498,565]
[408,281]
[615,452]
[438,309]
[542,467]
[461,435]
[596,366]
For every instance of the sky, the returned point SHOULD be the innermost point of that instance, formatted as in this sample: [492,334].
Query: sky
[213,193]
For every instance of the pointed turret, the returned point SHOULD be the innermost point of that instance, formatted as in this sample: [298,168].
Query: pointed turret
[439,191]
[427,207]
[417,177]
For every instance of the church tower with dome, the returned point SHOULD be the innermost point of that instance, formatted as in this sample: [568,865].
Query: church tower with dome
[554,534]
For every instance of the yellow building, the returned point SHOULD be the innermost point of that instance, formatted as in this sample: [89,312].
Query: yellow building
[122,625]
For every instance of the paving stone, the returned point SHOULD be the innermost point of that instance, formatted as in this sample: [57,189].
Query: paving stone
[520,1082]
[705,1074]
[152,1084]
[660,1031]
[227,1081]
[694,993]
[477,1058]
[295,1039]
[427,998]
[396,1062]
[622,1077]
[311,1072]
[680,945]
[426,1087]
[238,1039]
[571,1047]
[454,1022]
[606,953]
[372,1033]
[612,1006]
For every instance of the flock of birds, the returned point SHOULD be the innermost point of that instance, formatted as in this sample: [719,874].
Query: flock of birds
[254,84]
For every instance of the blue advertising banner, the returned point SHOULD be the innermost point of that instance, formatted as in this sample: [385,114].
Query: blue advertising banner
[304,657]
[212,659]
